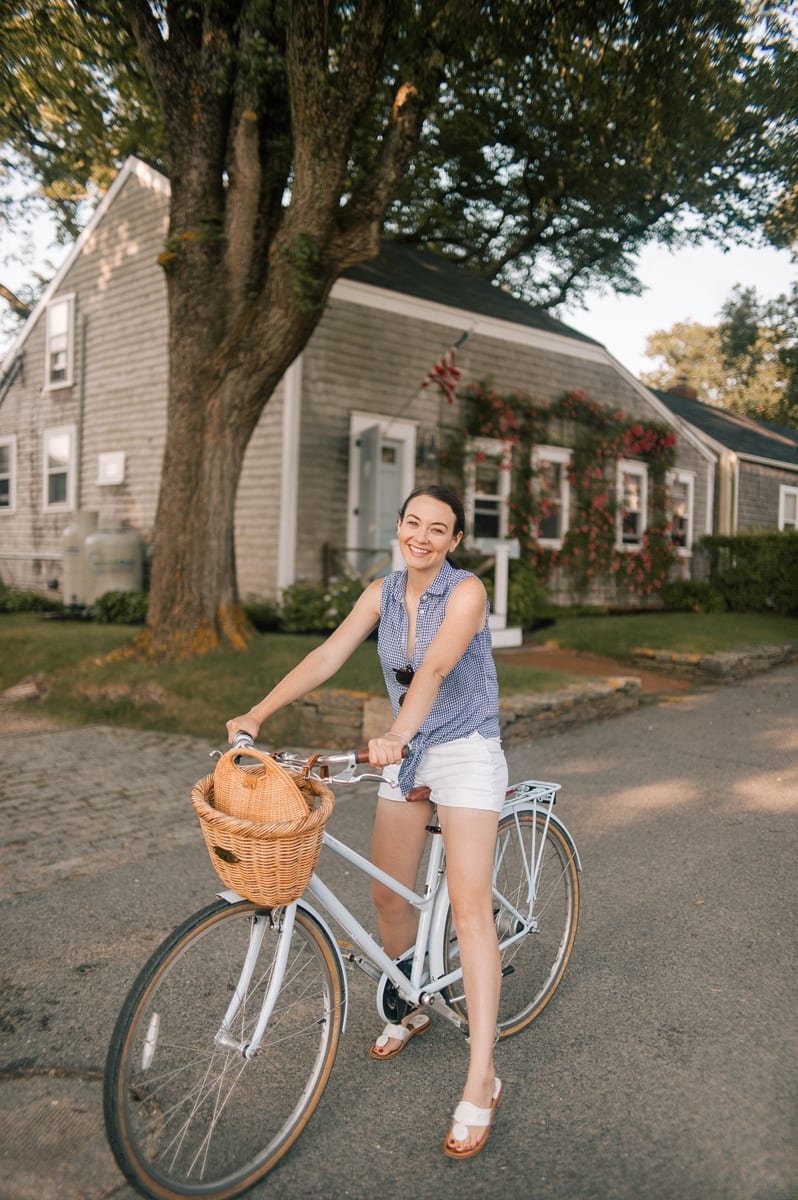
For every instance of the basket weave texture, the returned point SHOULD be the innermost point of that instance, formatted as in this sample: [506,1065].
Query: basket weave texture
[263,826]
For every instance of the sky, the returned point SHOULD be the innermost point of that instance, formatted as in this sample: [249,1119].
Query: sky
[688,285]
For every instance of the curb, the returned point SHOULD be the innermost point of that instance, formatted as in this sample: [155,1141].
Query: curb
[724,665]
[525,717]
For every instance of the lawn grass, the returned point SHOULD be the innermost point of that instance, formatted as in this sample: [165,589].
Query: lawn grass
[84,685]
[687,633]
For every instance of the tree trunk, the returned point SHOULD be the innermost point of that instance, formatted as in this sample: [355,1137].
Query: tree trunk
[248,276]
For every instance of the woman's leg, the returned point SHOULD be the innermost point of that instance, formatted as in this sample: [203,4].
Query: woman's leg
[469,836]
[396,847]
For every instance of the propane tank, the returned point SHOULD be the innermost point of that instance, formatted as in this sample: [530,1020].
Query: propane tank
[75,585]
[114,556]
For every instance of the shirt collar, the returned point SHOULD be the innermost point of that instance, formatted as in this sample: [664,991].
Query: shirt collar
[442,580]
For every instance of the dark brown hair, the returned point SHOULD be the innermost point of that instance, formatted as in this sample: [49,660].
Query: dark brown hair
[446,496]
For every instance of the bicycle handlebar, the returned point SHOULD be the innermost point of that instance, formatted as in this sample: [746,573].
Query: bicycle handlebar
[295,762]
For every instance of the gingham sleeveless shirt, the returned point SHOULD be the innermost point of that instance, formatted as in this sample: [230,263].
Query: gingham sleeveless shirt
[468,700]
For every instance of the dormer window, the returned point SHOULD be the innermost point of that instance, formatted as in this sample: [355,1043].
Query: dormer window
[60,340]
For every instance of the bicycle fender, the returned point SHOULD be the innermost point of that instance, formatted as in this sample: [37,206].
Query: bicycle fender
[233,898]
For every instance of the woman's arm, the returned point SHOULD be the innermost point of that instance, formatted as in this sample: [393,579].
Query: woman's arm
[318,666]
[465,617]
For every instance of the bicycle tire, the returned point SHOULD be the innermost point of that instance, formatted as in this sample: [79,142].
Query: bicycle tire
[187,1117]
[532,966]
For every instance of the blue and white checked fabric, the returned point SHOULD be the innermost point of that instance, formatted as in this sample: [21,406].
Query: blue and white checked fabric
[468,700]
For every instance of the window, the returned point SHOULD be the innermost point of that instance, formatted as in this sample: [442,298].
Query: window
[681,489]
[632,503]
[8,474]
[553,491]
[57,456]
[788,507]
[488,476]
[60,321]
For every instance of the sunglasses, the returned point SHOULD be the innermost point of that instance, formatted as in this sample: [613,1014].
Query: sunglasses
[404,675]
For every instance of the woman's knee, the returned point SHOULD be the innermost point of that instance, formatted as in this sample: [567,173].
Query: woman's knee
[387,903]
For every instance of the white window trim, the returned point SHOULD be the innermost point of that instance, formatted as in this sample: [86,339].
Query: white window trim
[68,504]
[626,465]
[786,490]
[11,441]
[688,478]
[560,454]
[491,448]
[49,385]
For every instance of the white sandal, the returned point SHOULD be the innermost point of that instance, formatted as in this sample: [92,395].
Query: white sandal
[468,1116]
[417,1023]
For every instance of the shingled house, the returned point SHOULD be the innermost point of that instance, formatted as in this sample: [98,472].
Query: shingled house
[350,429]
[756,476]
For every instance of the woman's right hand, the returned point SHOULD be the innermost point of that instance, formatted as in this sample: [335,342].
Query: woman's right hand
[243,724]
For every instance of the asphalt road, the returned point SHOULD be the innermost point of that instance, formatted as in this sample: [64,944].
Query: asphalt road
[664,1068]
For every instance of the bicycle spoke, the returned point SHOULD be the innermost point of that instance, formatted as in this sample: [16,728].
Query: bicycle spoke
[535,893]
[190,1116]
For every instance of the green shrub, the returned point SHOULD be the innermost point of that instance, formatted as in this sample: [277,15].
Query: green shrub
[121,608]
[262,614]
[307,607]
[21,600]
[527,599]
[755,572]
[687,595]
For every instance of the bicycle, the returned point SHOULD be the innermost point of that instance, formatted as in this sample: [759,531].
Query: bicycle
[227,1038]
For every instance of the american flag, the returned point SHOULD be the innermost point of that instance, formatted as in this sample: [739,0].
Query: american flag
[445,374]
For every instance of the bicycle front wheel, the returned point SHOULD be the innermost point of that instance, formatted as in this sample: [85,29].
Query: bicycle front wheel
[186,1112]
[536,909]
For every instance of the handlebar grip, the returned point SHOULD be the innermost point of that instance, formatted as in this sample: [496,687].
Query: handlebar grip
[362,756]
[243,741]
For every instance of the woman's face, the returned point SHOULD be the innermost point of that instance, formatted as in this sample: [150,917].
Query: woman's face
[426,533]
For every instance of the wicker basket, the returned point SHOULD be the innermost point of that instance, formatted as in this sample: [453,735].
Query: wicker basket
[263,826]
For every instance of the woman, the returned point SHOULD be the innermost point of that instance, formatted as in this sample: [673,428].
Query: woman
[435,649]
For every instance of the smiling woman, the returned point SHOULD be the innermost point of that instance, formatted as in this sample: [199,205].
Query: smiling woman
[442,749]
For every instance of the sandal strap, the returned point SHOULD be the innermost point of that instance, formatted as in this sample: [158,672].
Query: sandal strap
[467,1114]
[400,1033]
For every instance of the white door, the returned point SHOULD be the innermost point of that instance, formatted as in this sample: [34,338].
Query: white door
[380,478]
[381,473]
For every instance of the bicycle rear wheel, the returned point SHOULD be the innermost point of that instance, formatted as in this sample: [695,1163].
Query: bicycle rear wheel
[186,1116]
[548,907]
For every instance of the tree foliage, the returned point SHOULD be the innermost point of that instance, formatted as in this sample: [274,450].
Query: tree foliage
[539,142]
[558,138]
[747,363]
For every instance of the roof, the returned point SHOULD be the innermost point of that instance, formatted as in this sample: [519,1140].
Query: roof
[427,276]
[736,431]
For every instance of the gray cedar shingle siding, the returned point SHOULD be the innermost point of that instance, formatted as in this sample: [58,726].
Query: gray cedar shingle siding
[120,318]
[758,495]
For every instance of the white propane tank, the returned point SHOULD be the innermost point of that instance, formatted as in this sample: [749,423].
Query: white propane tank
[114,556]
[75,584]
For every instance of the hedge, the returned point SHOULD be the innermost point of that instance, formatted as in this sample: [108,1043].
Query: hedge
[755,572]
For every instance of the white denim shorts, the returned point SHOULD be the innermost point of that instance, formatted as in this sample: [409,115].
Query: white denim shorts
[470,772]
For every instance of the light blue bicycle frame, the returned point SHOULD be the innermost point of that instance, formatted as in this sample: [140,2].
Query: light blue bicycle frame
[433,904]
